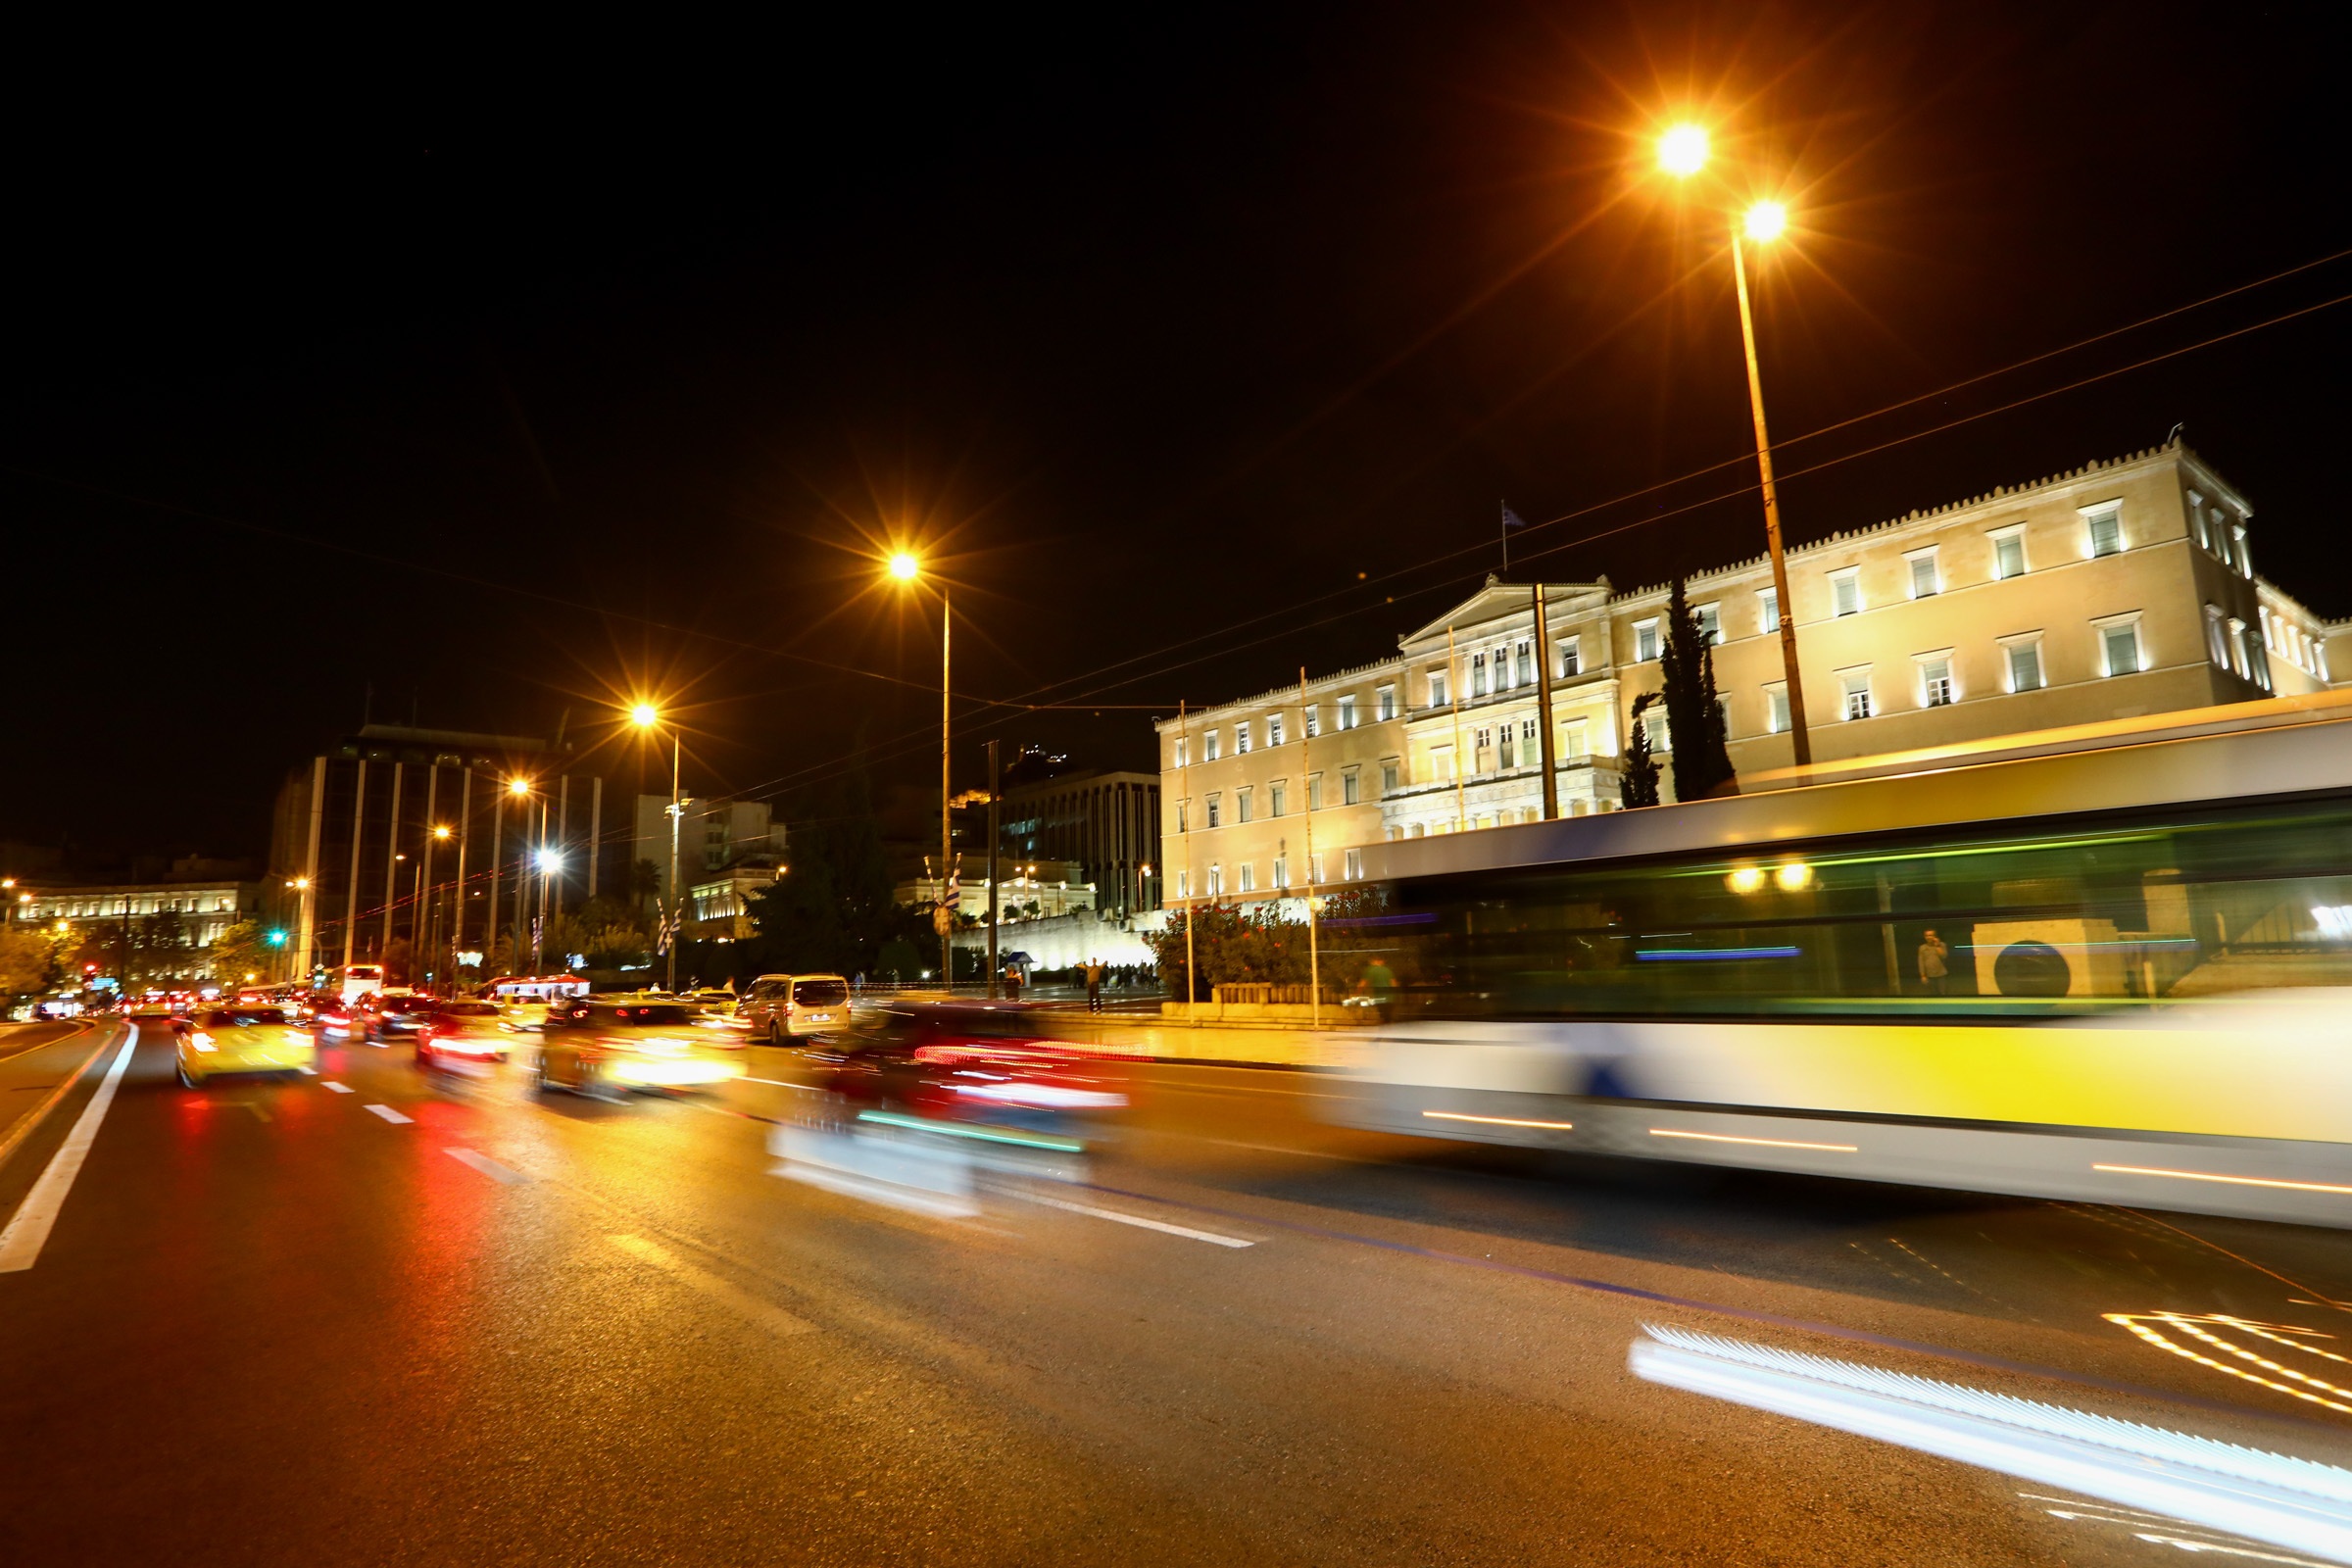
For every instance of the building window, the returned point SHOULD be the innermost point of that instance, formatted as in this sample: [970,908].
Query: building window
[1208,747]
[1572,656]
[1478,674]
[1273,729]
[2024,663]
[2119,642]
[1183,816]
[2106,526]
[1768,610]
[1282,871]
[1279,796]
[1216,811]
[1184,884]
[1936,688]
[1710,624]
[1508,753]
[1314,720]
[1248,876]
[1572,738]
[1855,684]
[1386,699]
[1437,689]
[1388,776]
[1654,723]
[1845,592]
[2009,553]
[1523,663]
[1216,880]
[1315,792]
[1349,788]
[1241,804]
[1314,869]
[1645,641]
[1356,865]
[1776,708]
[1926,580]
[1347,712]
[1241,740]
[1180,749]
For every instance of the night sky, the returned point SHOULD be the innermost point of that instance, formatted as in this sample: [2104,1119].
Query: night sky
[509,376]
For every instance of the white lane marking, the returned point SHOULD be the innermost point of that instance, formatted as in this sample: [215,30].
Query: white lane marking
[487,1166]
[767,1314]
[1211,1236]
[21,1244]
[389,1114]
[307,1072]
[340,1089]
[778,1083]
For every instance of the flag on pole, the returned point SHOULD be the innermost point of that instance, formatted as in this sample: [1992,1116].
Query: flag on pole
[1510,519]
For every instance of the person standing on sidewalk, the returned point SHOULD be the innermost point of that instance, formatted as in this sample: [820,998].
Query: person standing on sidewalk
[1093,984]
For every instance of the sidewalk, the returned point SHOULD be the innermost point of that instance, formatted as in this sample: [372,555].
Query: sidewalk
[1260,1044]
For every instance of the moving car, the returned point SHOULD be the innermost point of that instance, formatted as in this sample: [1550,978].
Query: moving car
[613,1047]
[783,1009]
[970,1061]
[463,1031]
[238,1039]
[385,1017]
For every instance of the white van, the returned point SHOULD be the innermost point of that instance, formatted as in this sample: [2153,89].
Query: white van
[781,1009]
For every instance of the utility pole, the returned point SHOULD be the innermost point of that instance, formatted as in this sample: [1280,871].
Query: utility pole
[947,916]
[1552,783]
[1315,959]
[350,888]
[1798,735]
[992,836]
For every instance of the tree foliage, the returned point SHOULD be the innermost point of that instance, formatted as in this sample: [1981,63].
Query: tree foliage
[1641,783]
[832,910]
[1258,943]
[28,960]
[1702,757]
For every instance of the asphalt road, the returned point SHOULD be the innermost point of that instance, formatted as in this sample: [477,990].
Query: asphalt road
[448,1322]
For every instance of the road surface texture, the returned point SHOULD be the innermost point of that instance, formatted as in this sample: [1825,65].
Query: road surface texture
[372,1317]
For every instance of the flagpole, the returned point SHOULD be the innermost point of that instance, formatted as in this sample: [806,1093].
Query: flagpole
[1314,962]
[1453,689]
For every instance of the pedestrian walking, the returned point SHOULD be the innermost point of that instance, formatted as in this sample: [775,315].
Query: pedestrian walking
[1933,967]
[1093,984]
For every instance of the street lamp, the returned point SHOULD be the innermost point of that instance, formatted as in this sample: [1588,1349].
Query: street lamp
[1682,151]
[905,567]
[646,717]
[549,861]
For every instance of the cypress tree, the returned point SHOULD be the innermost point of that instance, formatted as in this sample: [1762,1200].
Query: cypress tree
[1640,786]
[1702,759]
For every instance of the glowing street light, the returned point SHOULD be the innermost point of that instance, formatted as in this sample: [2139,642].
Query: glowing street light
[441,831]
[550,860]
[518,786]
[1682,152]
[905,567]
[646,717]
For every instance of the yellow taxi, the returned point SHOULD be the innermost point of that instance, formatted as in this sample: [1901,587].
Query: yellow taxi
[241,1039]
[613,1047]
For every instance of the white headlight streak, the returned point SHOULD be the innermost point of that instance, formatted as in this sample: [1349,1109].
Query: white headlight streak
[2296,1503]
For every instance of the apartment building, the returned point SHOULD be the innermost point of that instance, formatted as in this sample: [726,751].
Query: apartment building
[2117,589]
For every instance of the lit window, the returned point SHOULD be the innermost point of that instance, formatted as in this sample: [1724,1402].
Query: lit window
[1273,729]
[1183,816]
[1507,756]
[1437,689]
[1347,712]
[1926,580]
[2106,526]
[1282,871]
[1571,661]
[1856,686]
[1349,788]
[1523,663]
[1314,722]
[1184,884]
[1315,792]
[2009,554]
[1387,698]
[1768,610]
[1775,710]
[2025,666]
[1240,739]
[1387,777]
[1216,881]
[1654,723]
[1279,796]
[1710,624]
[1241,804]
[1314,869]
[1645,641]
[1249,876]
[1216,811]
[1936,681]
[1845,592]
[1208,747]
[1478,674]
[1356,865]
[2120,644]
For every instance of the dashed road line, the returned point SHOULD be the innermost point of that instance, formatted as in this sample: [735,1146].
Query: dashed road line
[1138,1220]
[340,1089]
[389,1114]
[487,1166]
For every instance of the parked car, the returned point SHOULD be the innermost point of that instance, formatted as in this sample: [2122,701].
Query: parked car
[784,1009]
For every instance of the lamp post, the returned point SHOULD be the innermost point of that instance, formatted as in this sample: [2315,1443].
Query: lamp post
[1682,151]
[519,790]
[906,568]
[551,860]
[646,717]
